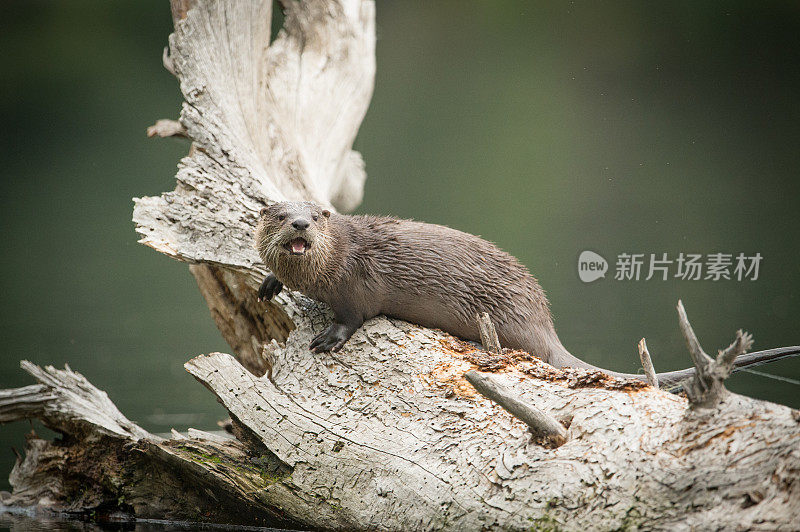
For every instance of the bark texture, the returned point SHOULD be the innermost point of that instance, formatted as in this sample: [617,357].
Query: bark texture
[386,434]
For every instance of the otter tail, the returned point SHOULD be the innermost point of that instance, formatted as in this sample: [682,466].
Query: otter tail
[672,380]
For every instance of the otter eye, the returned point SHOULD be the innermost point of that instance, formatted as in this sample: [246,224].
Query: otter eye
[281,217]
[315,217]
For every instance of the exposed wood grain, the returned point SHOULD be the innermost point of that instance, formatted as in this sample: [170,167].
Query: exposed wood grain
[543,427]
[647,364]
[488,332]
[385,434]
[705,389]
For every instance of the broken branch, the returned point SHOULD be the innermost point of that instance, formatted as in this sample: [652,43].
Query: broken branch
[727,356]
[489,337]
[699,357]
[542,425]
[706,389]
[166,128]
[647,364]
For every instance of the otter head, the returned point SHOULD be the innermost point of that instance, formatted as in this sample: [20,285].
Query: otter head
[293,240]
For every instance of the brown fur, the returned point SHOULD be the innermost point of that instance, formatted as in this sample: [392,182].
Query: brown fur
[427,274]
[423,273]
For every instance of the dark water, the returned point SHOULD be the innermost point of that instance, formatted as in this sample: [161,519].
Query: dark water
[549,128]
[20,520]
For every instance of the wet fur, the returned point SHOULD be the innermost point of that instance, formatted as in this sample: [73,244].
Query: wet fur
[423,273]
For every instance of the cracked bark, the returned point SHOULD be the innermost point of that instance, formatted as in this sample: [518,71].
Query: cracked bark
[386,434]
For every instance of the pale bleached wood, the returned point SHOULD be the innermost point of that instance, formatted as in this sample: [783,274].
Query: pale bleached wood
[705,389]
[268,122]
[545,428]
[197,434]
[64,399]
[647,364]
[386,434]
[105,460]
[699,357]
[166,128]
[396,450]
[488,333]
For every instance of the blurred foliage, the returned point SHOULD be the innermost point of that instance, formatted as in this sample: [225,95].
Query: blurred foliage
[548,128]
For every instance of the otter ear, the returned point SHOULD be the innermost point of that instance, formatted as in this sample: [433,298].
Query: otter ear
[326,213]
[263,211]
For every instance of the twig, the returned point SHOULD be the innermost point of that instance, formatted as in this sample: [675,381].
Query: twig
[543,426]
[166,60]
[705,389]
[699,357]
[740,345]
[166,128]
[203,435]
[488,333]
[647,364]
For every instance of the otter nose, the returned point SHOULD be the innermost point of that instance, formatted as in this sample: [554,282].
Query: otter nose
[300,224]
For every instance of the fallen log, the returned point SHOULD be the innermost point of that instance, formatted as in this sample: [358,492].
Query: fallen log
[388,433]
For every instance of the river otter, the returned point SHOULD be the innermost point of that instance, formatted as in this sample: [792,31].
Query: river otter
[427,274]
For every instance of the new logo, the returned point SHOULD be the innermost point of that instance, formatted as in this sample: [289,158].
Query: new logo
[591,266]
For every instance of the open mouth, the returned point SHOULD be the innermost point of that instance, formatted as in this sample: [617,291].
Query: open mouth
[298,246]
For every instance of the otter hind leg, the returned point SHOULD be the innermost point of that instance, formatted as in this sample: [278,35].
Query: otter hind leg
[270,288]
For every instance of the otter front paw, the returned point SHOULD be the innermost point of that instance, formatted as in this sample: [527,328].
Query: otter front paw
[332,339]
[270,288]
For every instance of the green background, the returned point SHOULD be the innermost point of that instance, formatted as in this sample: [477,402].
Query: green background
[548,128]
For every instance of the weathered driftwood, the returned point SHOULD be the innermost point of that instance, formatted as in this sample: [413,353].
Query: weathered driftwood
[706,388]
[166,128]
[544,428]
[387,433]
[489,337]
[106,466]
[647,364]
